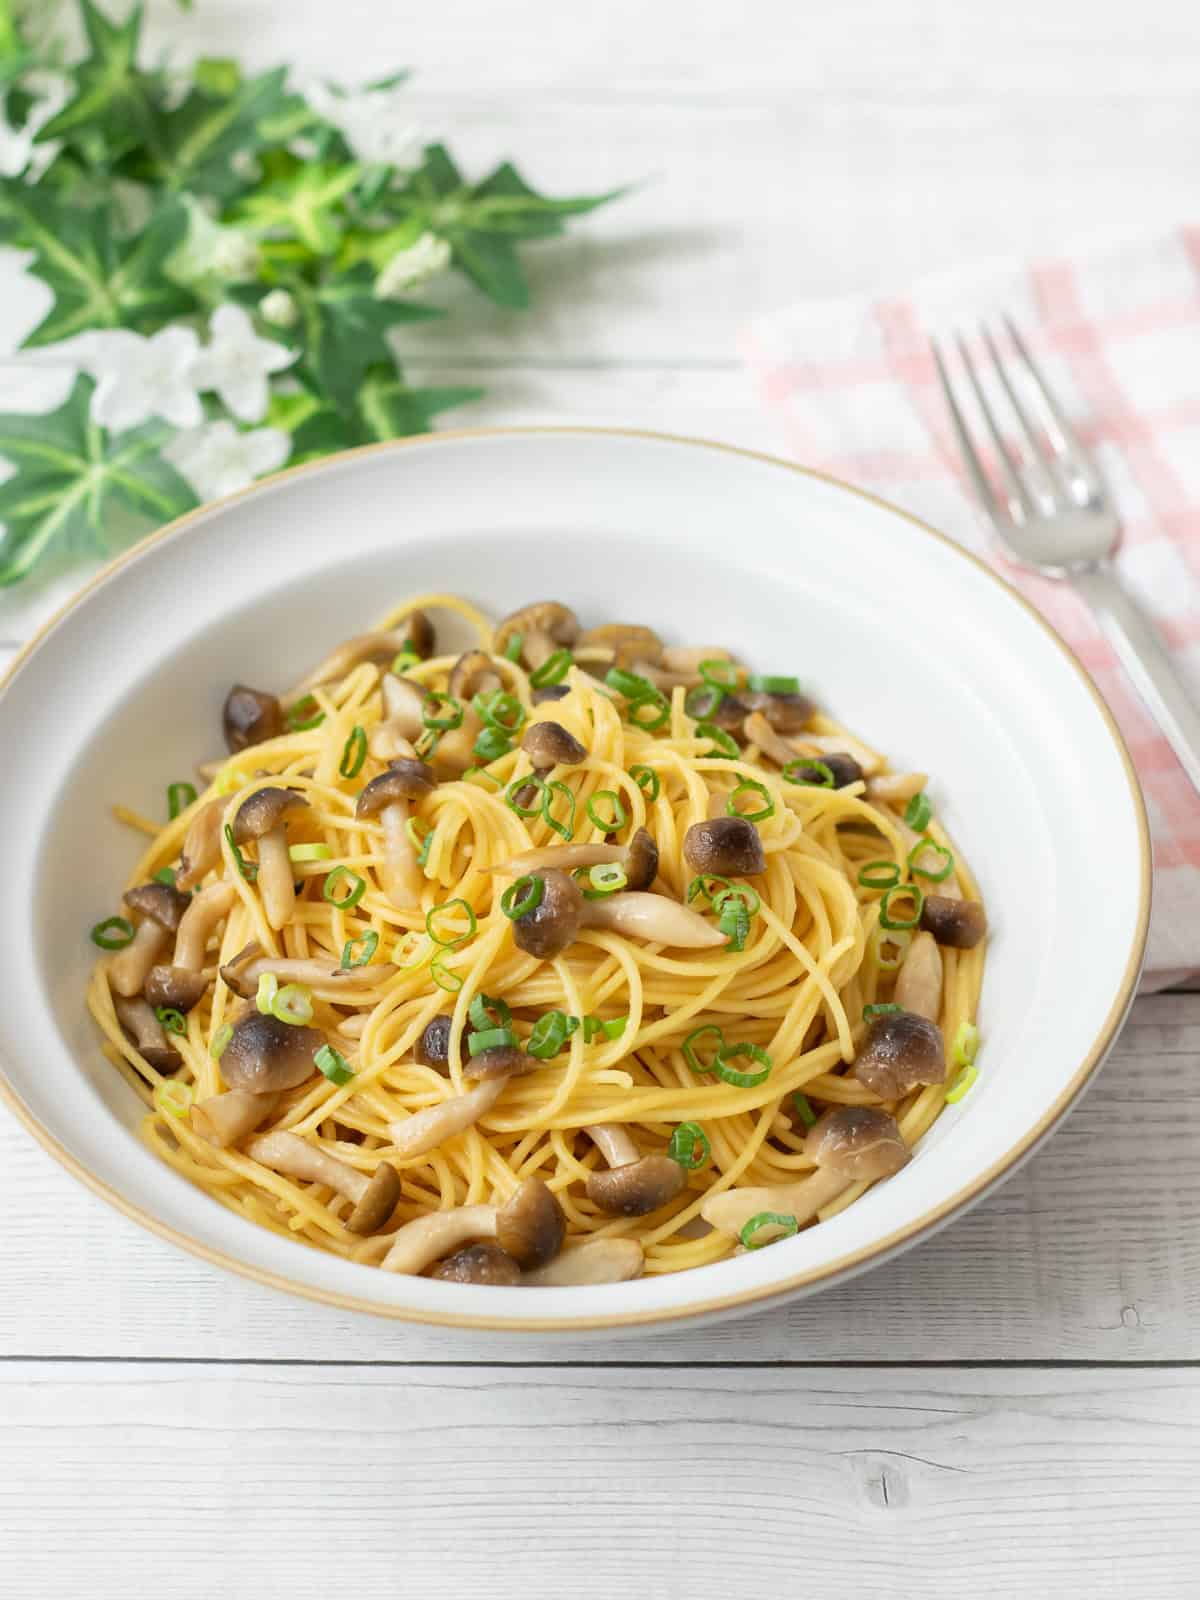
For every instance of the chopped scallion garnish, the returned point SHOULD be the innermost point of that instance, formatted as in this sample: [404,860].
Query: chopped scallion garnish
[450,719]
[402,662]
[484,1012]
[179,797]
[689,1048]
[809,774]
[500,710]
[658,706]
[491,745]
[628,684]
[512,650]
[725,746]
[165,875]
[309,852]
[619,815]
[890,919]
[803,1109]
[647,781]
[481,779]
[871,1012]
[491,1039]
[523,896]
[768,683]
[358,887]
[564,829]
[451,982]
[114,933]
[742,1080]
[734,923]
[702,700]
[608,878]
[966,1078]
[879,875]
[966,1044]
[517,788]
[768,1227]
[945,860]
[689,1146]
[722,675]
[897,941]
[293,1004]
[219,1040]
[550,1032]
[449,943]
[553,670]
[173,1021]
[918,811]
[248,870]
[751,786]
[358,952]
[354,753]
[305,714]
[174,1098]
[268,988]
[333,1065]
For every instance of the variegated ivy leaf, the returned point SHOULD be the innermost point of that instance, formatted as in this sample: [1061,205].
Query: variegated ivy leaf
[385,408]
[222,117]
[302,206]
[114,100]
[74,483]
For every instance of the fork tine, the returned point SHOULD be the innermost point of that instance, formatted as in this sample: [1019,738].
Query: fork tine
[1039,465]
[1062,436]
[966,448]
[1018,494]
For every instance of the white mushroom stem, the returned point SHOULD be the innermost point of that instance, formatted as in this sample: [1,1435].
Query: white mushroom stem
[401,877]
[292,1156]
[127,970]
[537,648]
[613,1143]
[949,888]
[353,1026]
[455,752]
[201,844]
[426,1130]
[223,1119]
[275,877]
[773,745]
[402,702]
[596,1261]
[641,915]
[420,1243]
[138,1016]
[199,922]
[566,856]
[364,647]
[687,657]
[326,979]
[896,787]
[919,981]
[732,1209]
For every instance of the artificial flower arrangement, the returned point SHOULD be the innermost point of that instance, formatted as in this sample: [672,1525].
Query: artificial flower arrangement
[230,258]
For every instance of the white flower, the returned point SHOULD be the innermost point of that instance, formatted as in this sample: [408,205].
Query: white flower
[18,152]
[213,251]
[16,149]
[237,364]
[139,378]
[409,268]
[217,459]
[374,123]
[279,308]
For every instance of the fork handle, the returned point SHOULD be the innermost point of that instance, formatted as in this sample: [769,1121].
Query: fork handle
[1141,651]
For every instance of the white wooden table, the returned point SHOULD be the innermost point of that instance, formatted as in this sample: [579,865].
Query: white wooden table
[1011,1408]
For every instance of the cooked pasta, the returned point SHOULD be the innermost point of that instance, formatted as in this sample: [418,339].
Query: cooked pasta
[567,958]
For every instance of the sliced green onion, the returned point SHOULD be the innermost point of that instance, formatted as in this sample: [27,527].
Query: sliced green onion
[484,1012]
[550,1032]
[802,771]
[459,938]
[479,777]
[565,830]
[402,662]
[444,724]
[689,1146]
[512,650]
[293,1004]
[961,1084]
[229,779]
[918,811]
[614,1028]
[658,706]
[358,887]
[608,878]
[358,952]
[803,1109]
[553,670]
[165,875]
[647,781]
[305,714]
[966,1044]
[419,959]
[500,710]
[886,917]
[121,935]
[174,1098]
[268,988]
[768,683]
[702,700]
[737,891]
[516,787]
[945,856]
[333,1065]
[734,923]
[742,1080]
[179,797]
[871,1012]
[490,1039]
[591,1027]
[426,746]
[689,1048]
[725,745]
[248,870]
[309,852]
[219,1040]
[354,753]
[523,896]
[173,1021]
[700,885]
[628,684]
[899,941]
[419,842]
[619,815]
[775,1223]
[451,982]
[491,745]
[879,875]
[721,674]
[751,786]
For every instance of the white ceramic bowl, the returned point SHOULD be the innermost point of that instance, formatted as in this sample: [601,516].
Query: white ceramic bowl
[914,644]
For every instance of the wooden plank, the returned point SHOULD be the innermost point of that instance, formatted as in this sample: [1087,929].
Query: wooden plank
[1091,1251]
[202,1481]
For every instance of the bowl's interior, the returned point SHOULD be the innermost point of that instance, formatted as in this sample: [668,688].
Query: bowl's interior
[911,644]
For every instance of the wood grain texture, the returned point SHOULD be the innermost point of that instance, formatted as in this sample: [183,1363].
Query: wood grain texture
[190,1483]
[1092,1251]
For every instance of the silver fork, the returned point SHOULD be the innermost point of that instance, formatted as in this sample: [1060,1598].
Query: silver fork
[1052,512]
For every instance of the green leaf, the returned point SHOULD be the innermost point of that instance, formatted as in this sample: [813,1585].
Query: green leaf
[385,408]
[77,485]
[302,206]
[491,263]
[439,172]
[217,75]
[114,102]
[197,142]
[98,281]
[505,202]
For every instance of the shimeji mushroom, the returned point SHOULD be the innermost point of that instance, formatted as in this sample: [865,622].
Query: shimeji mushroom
[894,788]
[960,924]
[634,1184]
[326,979]
[783,713]
[848,1144]
[263,819]
[137,1017]
[484,1263]
[249,717]
[549,745]
[404,706]
[627,645]
[529,1226]
[388,797]
[902,1051]
[161,907]
[842,766]
[266,1056]
[919,981]
[225,1118]
[638,859]
[201,845]
[373,1198]
[181,984]
[472,674]
[561,913]
[412,636]
[594,1261]
[426,1130]
[727,847]
[544,627]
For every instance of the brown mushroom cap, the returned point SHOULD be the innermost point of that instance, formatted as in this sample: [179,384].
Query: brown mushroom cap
[845,769]
[787,713]
[406,779]
[419,634]
[530,1225]
[265,1055]
[433,1047]
[161,902]
[728,846]
[378,1201]
[551,691]
[547,617]
[483,1263]
[473,673]
[250,716]
[548,744]
[641,864]
[638,1188]
[501,1061]
[730,714]
[555,921]
[857,1142]
[264,811]
[176,988]
[961,924]
[901,1050]
[628,643]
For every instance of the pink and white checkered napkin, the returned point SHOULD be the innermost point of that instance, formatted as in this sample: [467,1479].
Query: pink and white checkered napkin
[1117,332]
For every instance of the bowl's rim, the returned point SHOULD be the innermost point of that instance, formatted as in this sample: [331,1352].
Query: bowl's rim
[844,1265]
